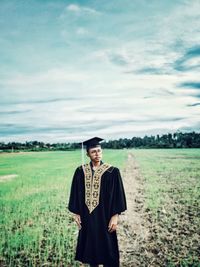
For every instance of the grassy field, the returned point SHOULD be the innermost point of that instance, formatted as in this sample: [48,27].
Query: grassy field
[172,193]
[36,229]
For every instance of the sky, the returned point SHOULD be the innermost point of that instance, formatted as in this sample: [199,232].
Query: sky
[72,70]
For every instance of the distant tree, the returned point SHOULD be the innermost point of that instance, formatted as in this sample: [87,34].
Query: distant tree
[177,140]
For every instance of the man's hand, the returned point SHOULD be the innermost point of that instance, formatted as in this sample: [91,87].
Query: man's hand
[77,219]
[113,223]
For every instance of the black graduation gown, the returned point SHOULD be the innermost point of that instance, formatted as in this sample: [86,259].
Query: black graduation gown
[95,245]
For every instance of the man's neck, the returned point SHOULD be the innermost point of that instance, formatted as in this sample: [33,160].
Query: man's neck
[96,164]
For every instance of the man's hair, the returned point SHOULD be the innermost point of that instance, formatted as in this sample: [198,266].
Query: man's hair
[87,149]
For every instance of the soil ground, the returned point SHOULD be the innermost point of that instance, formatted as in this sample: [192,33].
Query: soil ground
[132,229]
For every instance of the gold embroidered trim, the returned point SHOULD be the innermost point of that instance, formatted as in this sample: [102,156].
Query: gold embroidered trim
[92,185]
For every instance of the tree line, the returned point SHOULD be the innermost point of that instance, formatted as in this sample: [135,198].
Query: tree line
[175,140]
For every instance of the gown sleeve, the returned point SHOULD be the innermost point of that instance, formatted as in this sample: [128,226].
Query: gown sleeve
[119,203]
[73,204]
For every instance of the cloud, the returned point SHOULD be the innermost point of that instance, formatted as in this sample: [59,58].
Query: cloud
[192,85]
[41,101]
[149,70]
[181,25]
[100,68]
[74,8]
[17,129]
[191,127]
[82,126]
[13,112]
[82,31]
[194,104]
[118,59]
[169,49]
[78,9]
[193,52]
[49,76]
[189,61]
[155,60]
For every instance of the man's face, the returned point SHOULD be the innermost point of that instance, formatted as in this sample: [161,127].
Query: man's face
[95,154]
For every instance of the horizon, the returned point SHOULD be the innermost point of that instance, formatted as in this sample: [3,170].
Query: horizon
[108,140]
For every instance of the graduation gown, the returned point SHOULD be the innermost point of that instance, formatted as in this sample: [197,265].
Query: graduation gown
[96,196]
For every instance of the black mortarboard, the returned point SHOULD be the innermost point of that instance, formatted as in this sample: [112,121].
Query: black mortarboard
[93,142]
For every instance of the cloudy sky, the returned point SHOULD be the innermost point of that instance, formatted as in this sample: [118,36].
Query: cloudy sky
[71,70]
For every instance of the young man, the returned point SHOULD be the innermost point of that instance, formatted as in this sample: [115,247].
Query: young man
[97,197]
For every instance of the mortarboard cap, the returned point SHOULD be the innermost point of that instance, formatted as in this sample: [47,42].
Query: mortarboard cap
[93,142]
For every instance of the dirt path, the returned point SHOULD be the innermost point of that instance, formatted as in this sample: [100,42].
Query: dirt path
[132,229]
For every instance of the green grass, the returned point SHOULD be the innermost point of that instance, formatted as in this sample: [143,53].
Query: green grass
[35,226]
[172,194]
[166,171]
[37,229]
